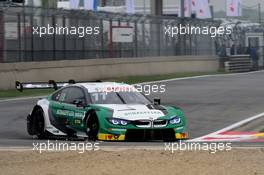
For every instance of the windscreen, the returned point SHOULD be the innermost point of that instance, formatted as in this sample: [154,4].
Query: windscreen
[118,98]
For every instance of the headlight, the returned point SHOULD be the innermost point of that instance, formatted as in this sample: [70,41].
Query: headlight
[118,121]
[114,121]
[123,122]
[175,120]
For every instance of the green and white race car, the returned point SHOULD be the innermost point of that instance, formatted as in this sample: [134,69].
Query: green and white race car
[104,111]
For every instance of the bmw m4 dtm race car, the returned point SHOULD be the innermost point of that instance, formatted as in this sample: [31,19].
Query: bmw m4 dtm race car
[102,111]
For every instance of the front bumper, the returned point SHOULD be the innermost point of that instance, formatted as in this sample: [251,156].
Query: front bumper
[144,135]
[133,132]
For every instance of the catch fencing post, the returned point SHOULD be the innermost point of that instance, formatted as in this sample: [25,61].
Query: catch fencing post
[102,37]
[136,40]
[54,38]
[2,36]
[19,36]
[32,38]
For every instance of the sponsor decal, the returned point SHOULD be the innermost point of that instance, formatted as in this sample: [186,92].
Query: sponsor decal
[80,115]
[55,131]
[116,137]
[179,128]
[181,135]
[65,113]
[117,129]
[77,121]
[111,137]
[70,113]
[143,112]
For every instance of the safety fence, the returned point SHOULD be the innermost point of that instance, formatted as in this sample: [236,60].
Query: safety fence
[19,41]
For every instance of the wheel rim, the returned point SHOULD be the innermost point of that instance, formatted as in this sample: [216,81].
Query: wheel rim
[94,127]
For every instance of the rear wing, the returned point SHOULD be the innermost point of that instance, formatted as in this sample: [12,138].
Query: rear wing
[51,84]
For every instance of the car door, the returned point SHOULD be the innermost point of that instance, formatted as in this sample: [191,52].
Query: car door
[58,115]
[74,105]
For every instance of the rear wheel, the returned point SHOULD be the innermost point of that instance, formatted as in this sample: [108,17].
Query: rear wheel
[40,123]
[92,127]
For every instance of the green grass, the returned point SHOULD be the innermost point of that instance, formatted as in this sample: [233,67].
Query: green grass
[130,80]
[262,130]
[26,93]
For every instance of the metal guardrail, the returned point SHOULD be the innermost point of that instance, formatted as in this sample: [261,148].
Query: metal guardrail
[239,63]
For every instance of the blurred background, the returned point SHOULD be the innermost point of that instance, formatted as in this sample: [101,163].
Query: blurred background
[147,18]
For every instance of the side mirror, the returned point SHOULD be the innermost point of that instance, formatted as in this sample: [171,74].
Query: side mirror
[156,101]
[78,103]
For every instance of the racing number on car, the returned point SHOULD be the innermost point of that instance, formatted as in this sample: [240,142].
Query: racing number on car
[99,95]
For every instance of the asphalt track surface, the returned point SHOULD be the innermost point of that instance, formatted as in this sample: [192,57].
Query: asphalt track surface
[210,104]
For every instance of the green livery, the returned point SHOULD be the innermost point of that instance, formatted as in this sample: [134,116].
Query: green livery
[90,110]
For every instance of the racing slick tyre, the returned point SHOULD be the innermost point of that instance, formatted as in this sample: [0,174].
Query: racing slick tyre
[39,123]
[92,127]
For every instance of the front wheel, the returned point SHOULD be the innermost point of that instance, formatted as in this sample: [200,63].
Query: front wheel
[92,127]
